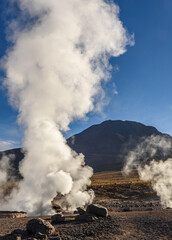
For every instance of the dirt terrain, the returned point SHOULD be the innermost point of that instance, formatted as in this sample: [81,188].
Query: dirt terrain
[156,224]
[134,213]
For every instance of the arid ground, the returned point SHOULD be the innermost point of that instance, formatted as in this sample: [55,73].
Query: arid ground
[134,213]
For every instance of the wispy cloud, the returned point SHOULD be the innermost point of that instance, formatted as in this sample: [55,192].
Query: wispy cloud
[7,144]
[114,89]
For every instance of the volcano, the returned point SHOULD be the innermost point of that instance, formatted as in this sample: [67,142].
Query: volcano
[105,145]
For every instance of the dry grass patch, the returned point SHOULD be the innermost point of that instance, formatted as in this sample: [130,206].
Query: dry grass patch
[118,186]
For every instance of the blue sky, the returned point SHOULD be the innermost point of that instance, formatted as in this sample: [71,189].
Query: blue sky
[142,75]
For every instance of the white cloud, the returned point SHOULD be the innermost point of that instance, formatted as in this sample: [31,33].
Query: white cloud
[114,89]
[7,144]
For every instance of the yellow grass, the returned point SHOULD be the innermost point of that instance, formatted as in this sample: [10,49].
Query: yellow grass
[115,177]
[116,185]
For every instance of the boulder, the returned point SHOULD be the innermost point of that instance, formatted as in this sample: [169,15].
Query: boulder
[57,218]
[11,237]
[86,217]
[19,232]
[38,225]
[39,235]
[81,210]
[97,209]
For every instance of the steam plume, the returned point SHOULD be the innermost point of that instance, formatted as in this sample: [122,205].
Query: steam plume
[7,177]
[4,167]
[149,169]
[54,73]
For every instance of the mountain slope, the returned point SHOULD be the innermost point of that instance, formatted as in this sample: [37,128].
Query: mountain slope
[105,145]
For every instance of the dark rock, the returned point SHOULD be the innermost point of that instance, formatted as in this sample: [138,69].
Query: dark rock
[57,218]
[98,210]
[11,237]
[56,206]
[81,210]
[54,238]
[150,204]
[86,217]
[126,209]
[39,225]
[39,235]
[19,232]
[149,209]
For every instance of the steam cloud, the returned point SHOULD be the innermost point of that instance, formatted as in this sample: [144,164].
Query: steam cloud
[4,167]
[149,169]
[54,73]
[7,177]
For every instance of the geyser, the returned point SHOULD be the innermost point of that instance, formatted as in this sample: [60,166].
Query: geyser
[143,158]
[53,74]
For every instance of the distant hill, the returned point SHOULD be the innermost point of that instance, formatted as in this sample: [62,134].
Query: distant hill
[105,145]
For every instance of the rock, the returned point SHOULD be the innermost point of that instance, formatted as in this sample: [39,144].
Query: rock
[19,232]
[17,237]
[12,237]
[98,210]
[39,235]
[149,209]
[86,217]
[150,204]
[81,210]
[126,209]
[55,206]
[55,238]
[57,218]
[38,225]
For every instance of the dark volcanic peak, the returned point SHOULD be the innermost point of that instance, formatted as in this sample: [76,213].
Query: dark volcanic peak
[104,145]
[124,128]
[108,136]
[16,155]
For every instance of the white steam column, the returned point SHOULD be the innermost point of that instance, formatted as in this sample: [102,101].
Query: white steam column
[53,74]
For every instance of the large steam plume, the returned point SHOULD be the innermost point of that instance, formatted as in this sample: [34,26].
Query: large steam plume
[144,159]
[53,75]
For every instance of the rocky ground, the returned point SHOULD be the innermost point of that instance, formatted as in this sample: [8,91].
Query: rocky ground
[134,213]
[127,220]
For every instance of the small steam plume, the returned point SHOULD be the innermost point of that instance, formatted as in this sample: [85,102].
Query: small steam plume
[7,177]
[4,167]
[53,75]
[159,172]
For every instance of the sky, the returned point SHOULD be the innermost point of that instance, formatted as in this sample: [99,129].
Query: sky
[140,85]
